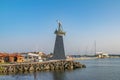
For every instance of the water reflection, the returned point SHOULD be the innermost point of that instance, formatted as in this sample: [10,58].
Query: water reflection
[35,76]
[59,75]
[22,76]
[43,75]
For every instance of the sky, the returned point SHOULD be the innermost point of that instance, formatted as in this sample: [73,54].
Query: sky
[29,25]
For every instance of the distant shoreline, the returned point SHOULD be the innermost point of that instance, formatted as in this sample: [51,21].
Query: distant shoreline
[89,58]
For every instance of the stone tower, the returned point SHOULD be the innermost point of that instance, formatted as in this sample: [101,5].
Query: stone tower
[59,52]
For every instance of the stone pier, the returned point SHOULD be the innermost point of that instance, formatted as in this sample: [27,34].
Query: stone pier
[53,65]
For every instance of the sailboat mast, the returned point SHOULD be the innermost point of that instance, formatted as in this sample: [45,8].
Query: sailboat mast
[95,47]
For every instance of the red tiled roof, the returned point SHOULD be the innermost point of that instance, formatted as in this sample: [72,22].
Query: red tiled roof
[10,55]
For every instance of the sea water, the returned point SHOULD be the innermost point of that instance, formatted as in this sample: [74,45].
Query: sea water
[97,69]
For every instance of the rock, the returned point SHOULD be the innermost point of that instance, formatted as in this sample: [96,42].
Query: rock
[31,68]
[50,65]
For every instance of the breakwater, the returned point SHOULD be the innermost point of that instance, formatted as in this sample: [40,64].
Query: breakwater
[40,66]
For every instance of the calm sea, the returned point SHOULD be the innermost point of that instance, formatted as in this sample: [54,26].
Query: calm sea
[98,69]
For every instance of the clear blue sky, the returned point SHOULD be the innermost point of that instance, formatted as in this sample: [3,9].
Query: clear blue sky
[28,25]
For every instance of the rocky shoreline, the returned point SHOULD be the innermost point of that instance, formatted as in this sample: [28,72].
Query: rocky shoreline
[57,65]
